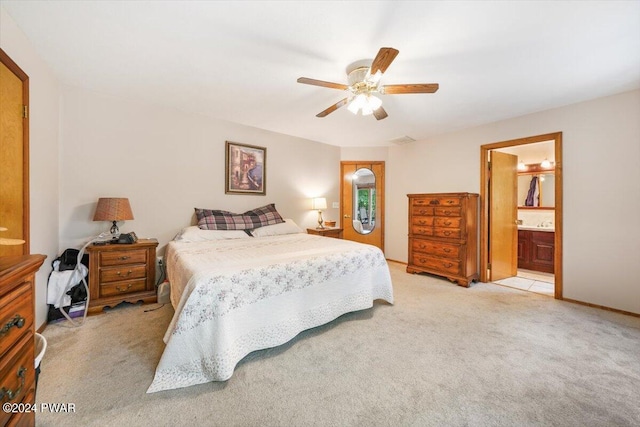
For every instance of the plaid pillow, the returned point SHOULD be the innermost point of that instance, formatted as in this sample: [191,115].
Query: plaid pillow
[223,220]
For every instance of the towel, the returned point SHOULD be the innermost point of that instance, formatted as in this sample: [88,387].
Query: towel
[61,281]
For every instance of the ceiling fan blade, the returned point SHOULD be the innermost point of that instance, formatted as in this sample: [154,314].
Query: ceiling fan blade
[333,108]
[314,82]
[410,88]
[384,58]
[380,114]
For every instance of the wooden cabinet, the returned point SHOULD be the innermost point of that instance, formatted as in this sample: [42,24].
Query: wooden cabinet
[443,235]
[327,232]
[536,250]
[17,335]
[119,273]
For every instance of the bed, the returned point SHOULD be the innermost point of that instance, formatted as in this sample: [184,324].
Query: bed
[236,293]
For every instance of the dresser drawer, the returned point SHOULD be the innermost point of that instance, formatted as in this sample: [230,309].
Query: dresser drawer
[436,201]
[122,288]
[16,316]
[422,231]
[435,248]
[422,211]
[422,221]
[123,272]
[446,222]
[136,256]
[451,266]
[448,233]
[17,373]
[448,211]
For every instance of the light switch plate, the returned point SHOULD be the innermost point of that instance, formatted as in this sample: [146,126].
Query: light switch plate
[335,205]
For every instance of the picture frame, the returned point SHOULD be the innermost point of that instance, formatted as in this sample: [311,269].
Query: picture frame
[245,169]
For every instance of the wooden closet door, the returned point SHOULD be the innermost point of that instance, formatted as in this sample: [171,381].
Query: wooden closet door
[14,156]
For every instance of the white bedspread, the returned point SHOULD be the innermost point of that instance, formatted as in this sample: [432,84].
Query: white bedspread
[232,297]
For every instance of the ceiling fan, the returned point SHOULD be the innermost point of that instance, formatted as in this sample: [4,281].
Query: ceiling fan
[364,82]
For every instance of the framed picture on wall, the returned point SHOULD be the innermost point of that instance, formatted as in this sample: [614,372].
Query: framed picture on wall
[246,169]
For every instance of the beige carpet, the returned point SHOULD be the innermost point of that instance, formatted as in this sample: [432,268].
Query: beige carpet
[442,355]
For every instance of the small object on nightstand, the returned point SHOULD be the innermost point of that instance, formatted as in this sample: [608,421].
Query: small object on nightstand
[330,223]
[326,232]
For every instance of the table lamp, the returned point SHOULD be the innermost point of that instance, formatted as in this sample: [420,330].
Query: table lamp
[319,203]
[113,209]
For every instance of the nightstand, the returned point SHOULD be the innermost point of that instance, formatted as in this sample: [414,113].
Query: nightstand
[326,232]
[121,272]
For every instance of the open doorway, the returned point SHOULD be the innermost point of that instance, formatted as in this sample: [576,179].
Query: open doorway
[521,213]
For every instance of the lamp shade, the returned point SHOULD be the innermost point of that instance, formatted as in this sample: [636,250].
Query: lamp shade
[319,203]
[113,209]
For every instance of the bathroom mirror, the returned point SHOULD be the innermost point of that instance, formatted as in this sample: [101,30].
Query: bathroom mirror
[364,201]
[536,190]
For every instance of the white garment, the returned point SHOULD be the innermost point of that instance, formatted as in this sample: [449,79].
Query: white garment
[61,281]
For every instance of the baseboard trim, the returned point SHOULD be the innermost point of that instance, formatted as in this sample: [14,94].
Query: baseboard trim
[398,262]
[602,307]
[42,328]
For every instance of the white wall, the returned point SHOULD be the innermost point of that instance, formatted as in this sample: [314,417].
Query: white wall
[601,156]
[168,162]
[43,151]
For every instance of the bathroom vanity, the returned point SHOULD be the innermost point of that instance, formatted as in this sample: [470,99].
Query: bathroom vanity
[536,248]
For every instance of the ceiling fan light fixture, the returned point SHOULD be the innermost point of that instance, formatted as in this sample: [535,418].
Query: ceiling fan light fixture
[374,102]
[358,102]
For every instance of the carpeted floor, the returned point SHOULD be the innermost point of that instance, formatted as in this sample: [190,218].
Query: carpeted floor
[441,355]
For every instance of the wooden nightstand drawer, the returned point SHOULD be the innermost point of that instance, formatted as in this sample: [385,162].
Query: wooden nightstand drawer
[422,210]
[123,257]
[16,316]
[423,231]
[121,288]
[125,272]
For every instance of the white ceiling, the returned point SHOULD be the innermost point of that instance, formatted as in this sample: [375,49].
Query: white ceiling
[239,61]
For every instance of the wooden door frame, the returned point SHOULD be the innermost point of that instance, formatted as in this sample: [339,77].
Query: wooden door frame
[379,194]
[15,69]
[556,137]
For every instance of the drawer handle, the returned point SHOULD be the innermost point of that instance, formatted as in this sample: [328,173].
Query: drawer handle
[124,258]
[422,211]
[128,273]
[446,233]
[10,393]
[422,222]
[448,265]
[450,202]
[434,202]
[447,212]
[17,321]
[447,250]
[447,223]
[124,289]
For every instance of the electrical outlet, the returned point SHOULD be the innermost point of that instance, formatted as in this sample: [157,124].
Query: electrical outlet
[159,261]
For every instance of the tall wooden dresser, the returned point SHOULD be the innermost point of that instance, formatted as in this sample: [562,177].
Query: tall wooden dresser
[443,235]
[17,337]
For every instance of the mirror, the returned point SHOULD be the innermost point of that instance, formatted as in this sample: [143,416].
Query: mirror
[364,201]
[536,190]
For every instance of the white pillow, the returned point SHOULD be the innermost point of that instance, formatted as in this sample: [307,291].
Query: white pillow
[196,234]
[286,227]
